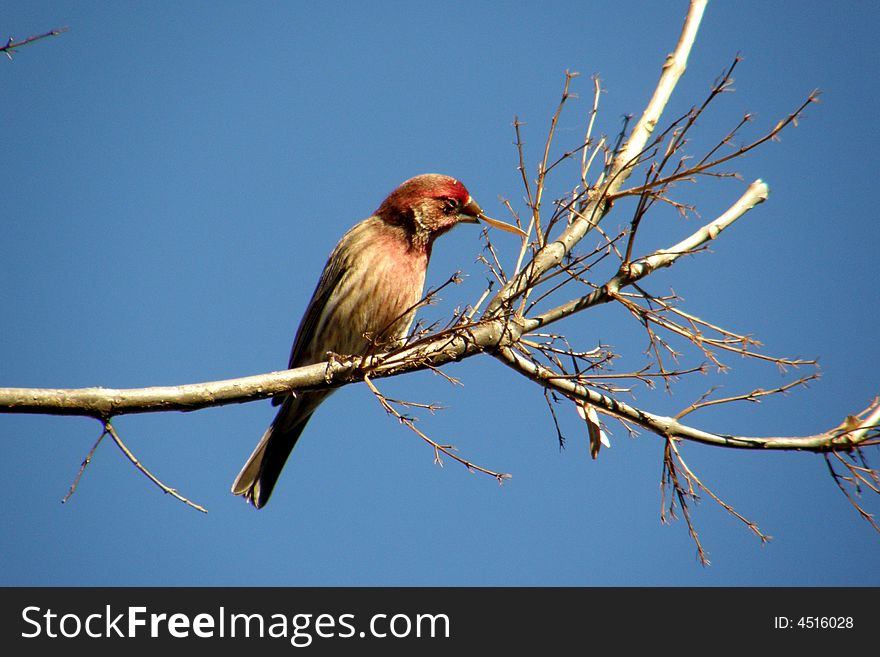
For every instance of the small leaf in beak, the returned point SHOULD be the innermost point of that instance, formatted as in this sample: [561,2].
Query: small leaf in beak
[510,228]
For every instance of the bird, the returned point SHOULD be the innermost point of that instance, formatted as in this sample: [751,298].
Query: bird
[366,297]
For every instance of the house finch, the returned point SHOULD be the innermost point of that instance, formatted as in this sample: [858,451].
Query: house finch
[366,297]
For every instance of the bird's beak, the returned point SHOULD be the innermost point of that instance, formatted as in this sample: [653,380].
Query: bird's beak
[471,212]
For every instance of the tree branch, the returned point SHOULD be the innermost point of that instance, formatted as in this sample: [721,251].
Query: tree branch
[11,44]
[595,208]
[756,193]
[835,439]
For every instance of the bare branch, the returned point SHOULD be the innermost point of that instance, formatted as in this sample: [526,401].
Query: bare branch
[691,477]
[858,476]
[83,466]
[543,168]
[108,428]
[828,441]
[683,494]
[753,396]
[446,450]
[12,45]
[553,253]
[756,193]
[586,161]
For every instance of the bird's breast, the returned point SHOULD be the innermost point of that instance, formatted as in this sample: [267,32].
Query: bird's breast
[373,303]
[395,282]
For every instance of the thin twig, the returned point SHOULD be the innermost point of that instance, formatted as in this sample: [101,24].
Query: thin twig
[693,477]
[83,466]
[670,480]
[446,450]
[108,428]
[839,480]
[11,44]
[588,137]
[753,396]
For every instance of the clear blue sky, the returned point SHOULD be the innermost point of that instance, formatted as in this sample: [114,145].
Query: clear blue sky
[176,173]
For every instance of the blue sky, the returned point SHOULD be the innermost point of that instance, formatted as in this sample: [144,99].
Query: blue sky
[176,173]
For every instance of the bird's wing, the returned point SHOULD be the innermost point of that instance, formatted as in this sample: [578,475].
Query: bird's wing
[330,277]
[333,272]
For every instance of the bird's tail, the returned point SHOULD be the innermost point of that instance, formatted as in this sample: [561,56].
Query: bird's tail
[259,475]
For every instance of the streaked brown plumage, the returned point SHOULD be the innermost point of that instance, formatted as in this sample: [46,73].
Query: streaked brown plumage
[364,298]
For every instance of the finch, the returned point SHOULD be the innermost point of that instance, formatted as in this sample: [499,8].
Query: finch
[365,298]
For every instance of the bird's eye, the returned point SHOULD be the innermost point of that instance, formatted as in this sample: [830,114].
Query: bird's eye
[451,206]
